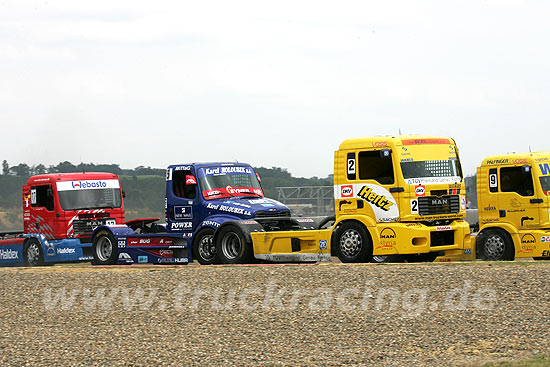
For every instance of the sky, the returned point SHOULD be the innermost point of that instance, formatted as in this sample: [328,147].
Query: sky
[274,84]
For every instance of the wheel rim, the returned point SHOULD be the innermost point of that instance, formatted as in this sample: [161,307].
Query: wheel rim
[206,250]
[33,254]
[351,243]
[104,248]
[231,245]
[494,247]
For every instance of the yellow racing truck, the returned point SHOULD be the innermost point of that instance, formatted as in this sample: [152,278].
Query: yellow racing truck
[395,195]
[514,207]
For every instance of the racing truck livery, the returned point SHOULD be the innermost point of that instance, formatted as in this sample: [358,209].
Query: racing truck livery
[514,206]
[401,195]
[60,212]
[200,198]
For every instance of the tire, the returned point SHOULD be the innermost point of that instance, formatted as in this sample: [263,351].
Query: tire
[496,245]
[421,258]
[104,248]
[352,243]
[32,253]
[232,246]
[204,251]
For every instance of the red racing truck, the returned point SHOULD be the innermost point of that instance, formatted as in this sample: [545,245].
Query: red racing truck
[60,212]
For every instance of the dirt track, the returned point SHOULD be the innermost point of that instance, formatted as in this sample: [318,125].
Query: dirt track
[342,314]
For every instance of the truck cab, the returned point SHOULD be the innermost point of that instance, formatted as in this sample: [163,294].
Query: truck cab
[60,212]
[514,206]
[405,194]
[200,197]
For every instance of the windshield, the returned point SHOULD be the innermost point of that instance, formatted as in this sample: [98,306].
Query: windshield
[441,168]
[545,184]
[90,199]
[228,181]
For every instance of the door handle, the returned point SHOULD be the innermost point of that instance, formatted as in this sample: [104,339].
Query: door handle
[536,201]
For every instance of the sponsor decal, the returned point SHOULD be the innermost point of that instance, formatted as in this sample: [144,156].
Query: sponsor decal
[347,191]
[545,239]
[183,212]
[433,180]
[380,201]
[182,168]
[544,169]
[238,203]
[87,185]
[181,225]
[515,203]
[143,259]
[388,238]
[121,243]
[380,144]
[124,256]
[424,141]
[420,190]
[489,208]
[454,191]
[210,223]
[9,254]
[468,251]
[304,220]
[528,243]
[229,209]
[190,180]
[322,244]
[166,253]
[443,228]
[406,159]
[227,170]
[65,250]
[519,161]
[439,201]
[497,161]
[463,202]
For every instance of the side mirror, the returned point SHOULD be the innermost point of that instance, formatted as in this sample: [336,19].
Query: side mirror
[49,193]
[123,194]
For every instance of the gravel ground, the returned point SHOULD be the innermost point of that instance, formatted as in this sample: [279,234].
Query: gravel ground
[327,314]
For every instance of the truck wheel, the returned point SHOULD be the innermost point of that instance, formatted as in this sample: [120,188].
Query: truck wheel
[232,247]
[32,253]
[204,251]
[421,258]
[496,245]
[352,243]
[104,249]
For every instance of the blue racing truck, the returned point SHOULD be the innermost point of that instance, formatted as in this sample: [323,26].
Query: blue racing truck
[204,202]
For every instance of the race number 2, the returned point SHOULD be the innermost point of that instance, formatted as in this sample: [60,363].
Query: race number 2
[414,206]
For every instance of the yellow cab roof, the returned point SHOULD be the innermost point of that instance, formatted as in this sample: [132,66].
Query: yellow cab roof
[516,158]
[388,141]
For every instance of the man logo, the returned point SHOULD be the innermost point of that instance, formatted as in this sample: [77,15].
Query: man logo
[347,191]
[387,238]
[528,239]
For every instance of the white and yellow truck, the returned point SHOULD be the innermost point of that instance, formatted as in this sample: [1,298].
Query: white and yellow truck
[394,195]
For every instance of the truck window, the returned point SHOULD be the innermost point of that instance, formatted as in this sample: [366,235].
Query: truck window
[180,188]
[374,167]
[42,196]
[515,179]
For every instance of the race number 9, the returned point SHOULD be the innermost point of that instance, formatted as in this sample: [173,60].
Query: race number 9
[414,206]
[493,180]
